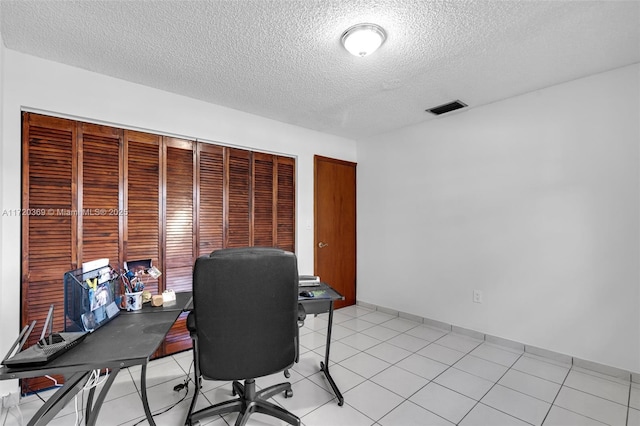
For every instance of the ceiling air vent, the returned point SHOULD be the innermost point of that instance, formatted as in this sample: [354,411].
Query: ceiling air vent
[451,106]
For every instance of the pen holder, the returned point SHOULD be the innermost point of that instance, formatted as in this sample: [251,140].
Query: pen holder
[133,301]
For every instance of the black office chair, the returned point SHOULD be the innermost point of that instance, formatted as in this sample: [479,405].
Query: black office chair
[244,325]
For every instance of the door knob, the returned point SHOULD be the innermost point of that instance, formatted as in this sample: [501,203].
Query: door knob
[322,245]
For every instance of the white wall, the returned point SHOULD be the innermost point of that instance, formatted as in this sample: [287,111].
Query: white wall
[533,200]
[5,334]
[46,86]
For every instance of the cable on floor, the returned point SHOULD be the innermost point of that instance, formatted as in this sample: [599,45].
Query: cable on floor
[176,388]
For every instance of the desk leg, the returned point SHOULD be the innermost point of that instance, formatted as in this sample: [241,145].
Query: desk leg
[93,410]
[72,385]
[145,401]
[324,366]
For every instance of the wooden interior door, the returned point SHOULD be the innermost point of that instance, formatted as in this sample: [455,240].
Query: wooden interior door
[335,226]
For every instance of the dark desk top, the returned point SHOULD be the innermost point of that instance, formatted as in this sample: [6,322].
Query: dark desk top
[321,292]
[184,302]
[324,294]
[128,339]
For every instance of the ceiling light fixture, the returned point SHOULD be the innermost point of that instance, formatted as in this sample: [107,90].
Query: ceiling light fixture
[363,39]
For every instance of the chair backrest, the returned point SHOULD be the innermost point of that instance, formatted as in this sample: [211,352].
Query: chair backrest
[246,308]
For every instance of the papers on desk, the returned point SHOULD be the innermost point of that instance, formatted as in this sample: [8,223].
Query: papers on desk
[308,281]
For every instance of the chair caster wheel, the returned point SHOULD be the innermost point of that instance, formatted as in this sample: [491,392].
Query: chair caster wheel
[288,393]
[287,374]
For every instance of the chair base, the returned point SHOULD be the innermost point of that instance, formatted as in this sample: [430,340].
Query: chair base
[249,401]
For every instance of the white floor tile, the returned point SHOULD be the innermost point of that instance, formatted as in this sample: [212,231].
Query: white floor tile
[495,354]
[519,405]
[377,317]
[626,380]
[427,333]
[338,316]
[483,415]
[380,332]
[121,410]
[344,378]
[400,324]
[392,372]
[308,364]
[634,399]
[399,381]
[459,342]
[411,414]
[177,416]
[441,353]
[307,396]
[360,341]
[313,340]
[597,386]
[332,414]
[373,399]
[443,402]
[388,352]
[338,332]
[462,382]
[481,368]
[634,417]
[255,419]
[337,352]
[354,310]
[408,342]
[558,416]
[591,406]
[543,369]
[316,323]
[422,366]
[530,385]
[365,365]
[274,379]
[164,370]
[357,324]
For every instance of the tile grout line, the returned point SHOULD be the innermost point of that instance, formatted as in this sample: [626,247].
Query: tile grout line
[405,399]
[450,328]
[489,390]
[558,393]
[629,401]
[577,390]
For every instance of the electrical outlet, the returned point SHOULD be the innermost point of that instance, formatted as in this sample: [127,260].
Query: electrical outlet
[477,296]
[11,399]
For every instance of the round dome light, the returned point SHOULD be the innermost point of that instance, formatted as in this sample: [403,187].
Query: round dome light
[363,39]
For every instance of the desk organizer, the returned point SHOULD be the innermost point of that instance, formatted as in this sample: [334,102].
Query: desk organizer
[90,298]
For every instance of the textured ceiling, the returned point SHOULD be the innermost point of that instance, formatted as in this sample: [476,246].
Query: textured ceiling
[282,59]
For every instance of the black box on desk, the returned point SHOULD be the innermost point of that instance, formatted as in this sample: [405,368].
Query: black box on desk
[90,298]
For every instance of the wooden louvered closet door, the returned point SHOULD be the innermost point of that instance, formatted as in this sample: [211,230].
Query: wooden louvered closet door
[93,191]
[264,208]
[142,194]
[49,224]
[210,198]
[286,204]
[179,229]
[100,193]
[238,217]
